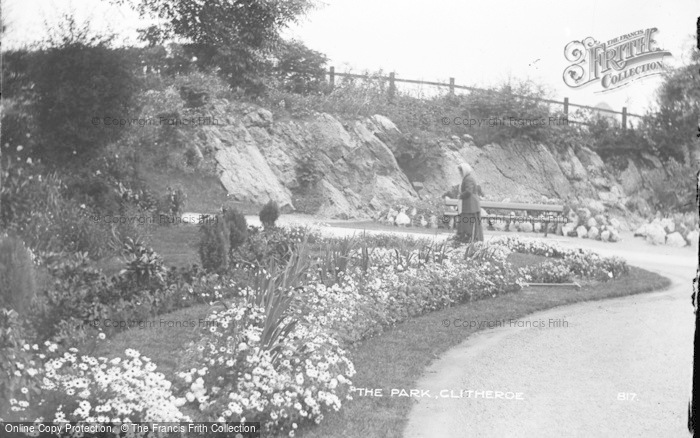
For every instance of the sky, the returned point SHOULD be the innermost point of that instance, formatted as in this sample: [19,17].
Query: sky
[478,43]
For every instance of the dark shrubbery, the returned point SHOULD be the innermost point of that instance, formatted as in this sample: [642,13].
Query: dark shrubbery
[237,227]
[269,214]
[75,84]
[220,237]
[214,245]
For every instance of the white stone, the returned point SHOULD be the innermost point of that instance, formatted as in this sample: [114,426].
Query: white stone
[642,231]
[402,219]
[499,225]
[433,221]
[669,225]
[656,234]
[568,229]
[591,223]
[614,236]
[675,240]
[615,223]
[593,233]
[693,238]
[581,231]
[605,236]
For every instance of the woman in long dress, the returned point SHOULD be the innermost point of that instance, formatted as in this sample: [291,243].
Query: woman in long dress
[469,226]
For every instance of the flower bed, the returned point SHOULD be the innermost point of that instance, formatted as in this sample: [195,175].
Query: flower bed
[277,353]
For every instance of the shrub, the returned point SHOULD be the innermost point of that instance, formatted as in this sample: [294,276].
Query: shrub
[269,214]
[237,226]
[214,245]
[308,172]
[555,271]
[144,266]
[17,284]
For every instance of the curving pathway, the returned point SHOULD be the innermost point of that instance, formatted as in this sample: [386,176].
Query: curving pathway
[570,378]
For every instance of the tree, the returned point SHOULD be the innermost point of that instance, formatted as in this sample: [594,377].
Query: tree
[300,69]
[81,85]
[237,36]
[674,124]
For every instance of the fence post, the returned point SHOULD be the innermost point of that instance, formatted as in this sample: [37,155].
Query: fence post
[392,86]
[331,77]
[452,86]
[566,109]
[624,117]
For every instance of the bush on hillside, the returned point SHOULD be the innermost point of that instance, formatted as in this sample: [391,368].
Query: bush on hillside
[78,79]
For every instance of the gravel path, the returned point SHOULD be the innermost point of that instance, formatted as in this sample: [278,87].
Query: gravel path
[567,381]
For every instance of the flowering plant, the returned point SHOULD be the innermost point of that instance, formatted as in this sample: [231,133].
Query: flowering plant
[234,378]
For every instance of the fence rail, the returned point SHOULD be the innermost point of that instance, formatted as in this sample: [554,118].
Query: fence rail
[392,79]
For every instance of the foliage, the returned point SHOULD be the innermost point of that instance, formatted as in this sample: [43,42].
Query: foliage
[233,36]
[81,388]
[17,284]
[214,245]
[677,110]
[17,369]
[308,172]
[554,271]
[269,214]
[144,267]
[237,226]
[582,263]
[33,206]
[231,376]
[299,69]
[674,192]
[79,79]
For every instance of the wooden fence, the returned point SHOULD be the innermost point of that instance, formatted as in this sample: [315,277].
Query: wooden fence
[452,87]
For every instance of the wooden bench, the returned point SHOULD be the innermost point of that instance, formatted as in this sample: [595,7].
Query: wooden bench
[553,213]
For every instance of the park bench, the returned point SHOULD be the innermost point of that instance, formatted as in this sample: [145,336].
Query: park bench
[544,213]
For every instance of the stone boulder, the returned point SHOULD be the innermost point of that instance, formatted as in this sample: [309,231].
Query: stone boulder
[669,225]
[615,223]
[614,236]
[642,231]
[593,233]
[605,236]
[574,219]
[581,232]
[655,234]
[402,219]
[676,240]
[584,214]
[601,219]
[568,229]
[692,238]
[591,223]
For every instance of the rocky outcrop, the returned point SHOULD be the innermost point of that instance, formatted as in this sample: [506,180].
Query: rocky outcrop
[257,158]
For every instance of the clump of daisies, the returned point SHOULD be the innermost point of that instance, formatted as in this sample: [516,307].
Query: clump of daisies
[235,376]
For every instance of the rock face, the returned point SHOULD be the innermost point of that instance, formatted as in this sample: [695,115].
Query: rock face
[258,156]
[257,159]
